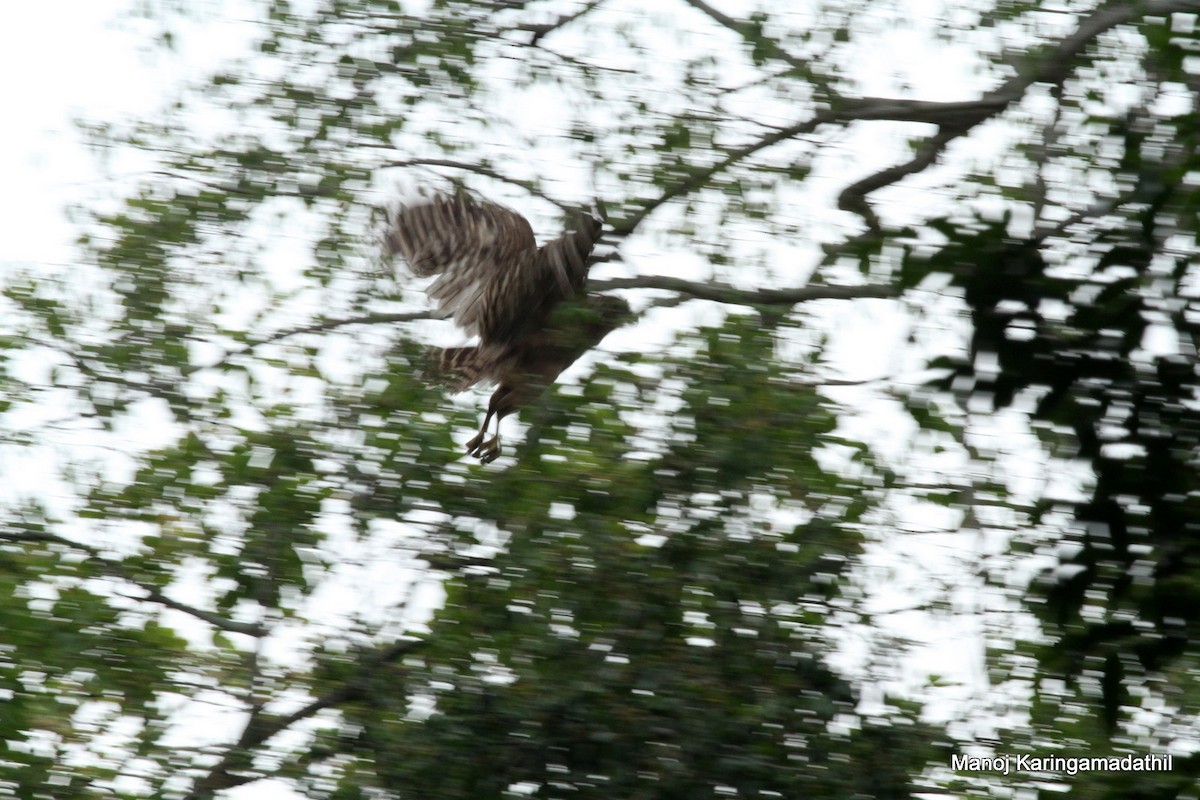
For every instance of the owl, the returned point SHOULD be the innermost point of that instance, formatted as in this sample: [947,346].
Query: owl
[528,305]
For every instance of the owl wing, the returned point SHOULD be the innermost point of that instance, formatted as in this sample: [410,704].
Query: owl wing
[493,279]
[485,257]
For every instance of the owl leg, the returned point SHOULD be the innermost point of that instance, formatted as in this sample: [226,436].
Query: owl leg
[475,446]
[488,451]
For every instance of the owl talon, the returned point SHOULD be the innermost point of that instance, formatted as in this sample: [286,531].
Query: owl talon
[486,452]
[490,452]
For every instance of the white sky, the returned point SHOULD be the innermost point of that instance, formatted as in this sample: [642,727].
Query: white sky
[77,60]
[47,77]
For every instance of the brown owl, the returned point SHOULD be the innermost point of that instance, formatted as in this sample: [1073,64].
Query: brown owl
[527,304]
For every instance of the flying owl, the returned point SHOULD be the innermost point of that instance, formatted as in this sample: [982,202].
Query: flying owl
[527,304]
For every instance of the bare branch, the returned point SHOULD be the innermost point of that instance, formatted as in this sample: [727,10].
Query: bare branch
[153,595]
[841,382]
[1056,66]
[586,66]
[741,28]
[956,119]
[723,293]
[701,175]
[1052,67]
[528,186]
[766,77]
[115,569]
[854,197]
[959,115]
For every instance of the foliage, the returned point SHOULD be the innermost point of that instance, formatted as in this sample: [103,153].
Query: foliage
[254,551]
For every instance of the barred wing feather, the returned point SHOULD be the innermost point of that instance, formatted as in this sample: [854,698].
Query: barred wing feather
[484,255]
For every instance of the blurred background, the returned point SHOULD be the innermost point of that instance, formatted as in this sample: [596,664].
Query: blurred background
[896,464]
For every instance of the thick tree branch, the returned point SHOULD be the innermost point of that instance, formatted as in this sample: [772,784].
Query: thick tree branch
[1057,66]
[723,293]
[115,569]
[261,727]
[1053,66]
[720,293]
[962,114]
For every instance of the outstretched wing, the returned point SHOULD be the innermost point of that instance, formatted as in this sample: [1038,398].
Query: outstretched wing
[485,256]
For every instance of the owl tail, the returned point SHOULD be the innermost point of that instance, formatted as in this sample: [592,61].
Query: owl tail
[458,368]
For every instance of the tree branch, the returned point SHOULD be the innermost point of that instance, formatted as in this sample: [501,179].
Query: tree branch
[540,31]
[114,569]
[953,119]
[261,727]
[528,186]
[151,386]
[723,293]
[720,293]
[701,175]
[585,66]
[854,197]
[772,48]
[1052,68]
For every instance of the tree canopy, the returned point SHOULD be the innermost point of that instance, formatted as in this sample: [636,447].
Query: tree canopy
[915,287]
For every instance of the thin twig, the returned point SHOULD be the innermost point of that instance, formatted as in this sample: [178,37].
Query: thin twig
[701,175]
[774,49]
[528,186]
[540,31]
